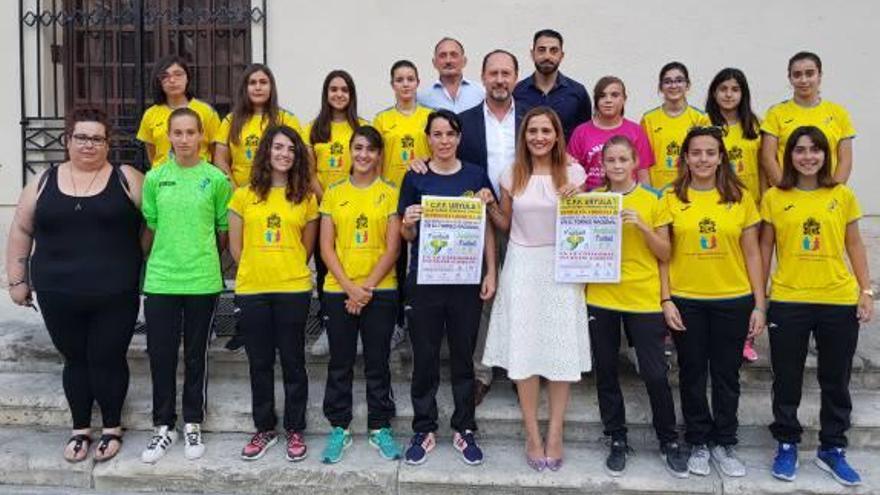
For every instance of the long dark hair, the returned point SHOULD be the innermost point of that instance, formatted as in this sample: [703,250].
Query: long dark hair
[729,186]
[320,132]
[522,162]
[159,96]
[790,174]
[244,109]
[747,118]
[299,175]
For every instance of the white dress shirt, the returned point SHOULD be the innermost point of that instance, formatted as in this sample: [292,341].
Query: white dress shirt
[500,144]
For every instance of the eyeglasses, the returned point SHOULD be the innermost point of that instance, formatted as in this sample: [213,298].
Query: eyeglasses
[678,81]
[84,139]
[167,76]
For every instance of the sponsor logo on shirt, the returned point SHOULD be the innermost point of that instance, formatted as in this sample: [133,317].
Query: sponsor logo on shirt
[812,230]
[832,205]
[204,184]
[708,240]
[167,183]
[788,207]
[272,235]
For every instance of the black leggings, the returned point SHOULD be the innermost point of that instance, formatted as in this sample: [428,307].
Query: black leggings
[165,315]
[92,332]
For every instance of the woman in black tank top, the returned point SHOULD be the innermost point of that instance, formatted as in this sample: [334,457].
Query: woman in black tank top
[81,220]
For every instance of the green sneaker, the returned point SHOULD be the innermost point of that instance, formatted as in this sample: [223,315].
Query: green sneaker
[383,441]
[337,441]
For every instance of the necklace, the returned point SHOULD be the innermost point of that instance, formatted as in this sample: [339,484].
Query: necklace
[78,206]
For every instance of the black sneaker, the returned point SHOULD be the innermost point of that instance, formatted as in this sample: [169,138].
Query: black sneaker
[676,458]
[235,344]
[615,463]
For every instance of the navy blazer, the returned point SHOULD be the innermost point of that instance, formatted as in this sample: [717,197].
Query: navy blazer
[472,147]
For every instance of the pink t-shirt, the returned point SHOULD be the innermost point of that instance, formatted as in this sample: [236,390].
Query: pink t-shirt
[534,208]
[587,141]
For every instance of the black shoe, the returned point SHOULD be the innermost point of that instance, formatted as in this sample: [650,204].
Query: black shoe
[615,463]
[676,458]
[235,343]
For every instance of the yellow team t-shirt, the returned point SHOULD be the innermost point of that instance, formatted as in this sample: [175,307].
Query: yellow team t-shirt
[154,129]
[360,217]
[333,158]
[744,158]
[707,259]
[405,140]
[810,244]
[273,258]
[666,134]
[783,118]
[639,287]
[242,154]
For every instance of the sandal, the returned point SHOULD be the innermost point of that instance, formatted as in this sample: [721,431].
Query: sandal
[104,443]
[81,442]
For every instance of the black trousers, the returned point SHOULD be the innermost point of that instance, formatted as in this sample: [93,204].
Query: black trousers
[276,323]
[647,332]
[711,346]
[400,267]
[92,333]
[375,325]
[836,329]
[168,316]
[453,310]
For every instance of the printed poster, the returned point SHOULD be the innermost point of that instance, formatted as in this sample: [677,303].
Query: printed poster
[588,234]
[451,237]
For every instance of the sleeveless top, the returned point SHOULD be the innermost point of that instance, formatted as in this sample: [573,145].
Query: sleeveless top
[94,249]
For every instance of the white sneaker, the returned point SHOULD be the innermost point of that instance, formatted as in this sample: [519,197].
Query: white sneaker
[163,438]
[398,336]
[194,447]
[321,347]
[726,460]
[699,460]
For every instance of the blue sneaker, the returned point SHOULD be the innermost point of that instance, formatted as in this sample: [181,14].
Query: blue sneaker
[785,465]
[383,440]
[466,444]
[338,440]
[833,461]
[419,446]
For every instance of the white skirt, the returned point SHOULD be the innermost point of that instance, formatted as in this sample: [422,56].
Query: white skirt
[538,326]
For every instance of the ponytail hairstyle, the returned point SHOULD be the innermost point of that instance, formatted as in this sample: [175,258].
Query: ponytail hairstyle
[243,109]
[744,113]
[729,186]
[523,168]
[298,177]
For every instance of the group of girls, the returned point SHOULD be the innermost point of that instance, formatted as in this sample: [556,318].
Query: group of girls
[695,263]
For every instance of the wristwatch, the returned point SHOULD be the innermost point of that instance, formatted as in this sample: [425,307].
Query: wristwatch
[868,292]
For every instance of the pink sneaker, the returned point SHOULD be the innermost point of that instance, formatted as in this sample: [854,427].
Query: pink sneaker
[258,445]
[296,447]
[749,353]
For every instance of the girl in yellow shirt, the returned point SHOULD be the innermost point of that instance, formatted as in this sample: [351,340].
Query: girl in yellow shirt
[712,293]
[273,223]
[329,136]
[171,90]
[729,106]
[255,109]
[807,107]
[634,303]
[360,239]
[667,125]
[811,221]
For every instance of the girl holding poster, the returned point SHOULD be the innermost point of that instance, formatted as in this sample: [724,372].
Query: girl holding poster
[437,309]
[635,303]
[530,301]
[712,293]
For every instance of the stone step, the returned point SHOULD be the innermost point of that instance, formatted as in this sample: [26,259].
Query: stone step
[37,399]
[31,464]
[26,347]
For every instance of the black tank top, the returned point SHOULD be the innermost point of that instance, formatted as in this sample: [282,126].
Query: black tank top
[93,249]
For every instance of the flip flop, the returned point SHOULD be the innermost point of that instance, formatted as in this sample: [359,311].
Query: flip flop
[104,443]
[81,442]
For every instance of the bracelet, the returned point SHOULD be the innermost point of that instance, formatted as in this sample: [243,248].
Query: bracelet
[665,300]
[15,284]
[759,310]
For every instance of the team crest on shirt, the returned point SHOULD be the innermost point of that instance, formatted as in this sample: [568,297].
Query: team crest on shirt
[361,229]
[672,151]
[250,143]
[708,231]
[272,234]
[812,230]
[336,151]
[736,155]
[407,142]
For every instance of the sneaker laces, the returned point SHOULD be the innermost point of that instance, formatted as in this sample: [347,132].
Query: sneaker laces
[418,439]
[336,440]
[610,443]
[384,438]
[261,439]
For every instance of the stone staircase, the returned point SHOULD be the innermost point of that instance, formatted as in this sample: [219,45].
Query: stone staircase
[34,423]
